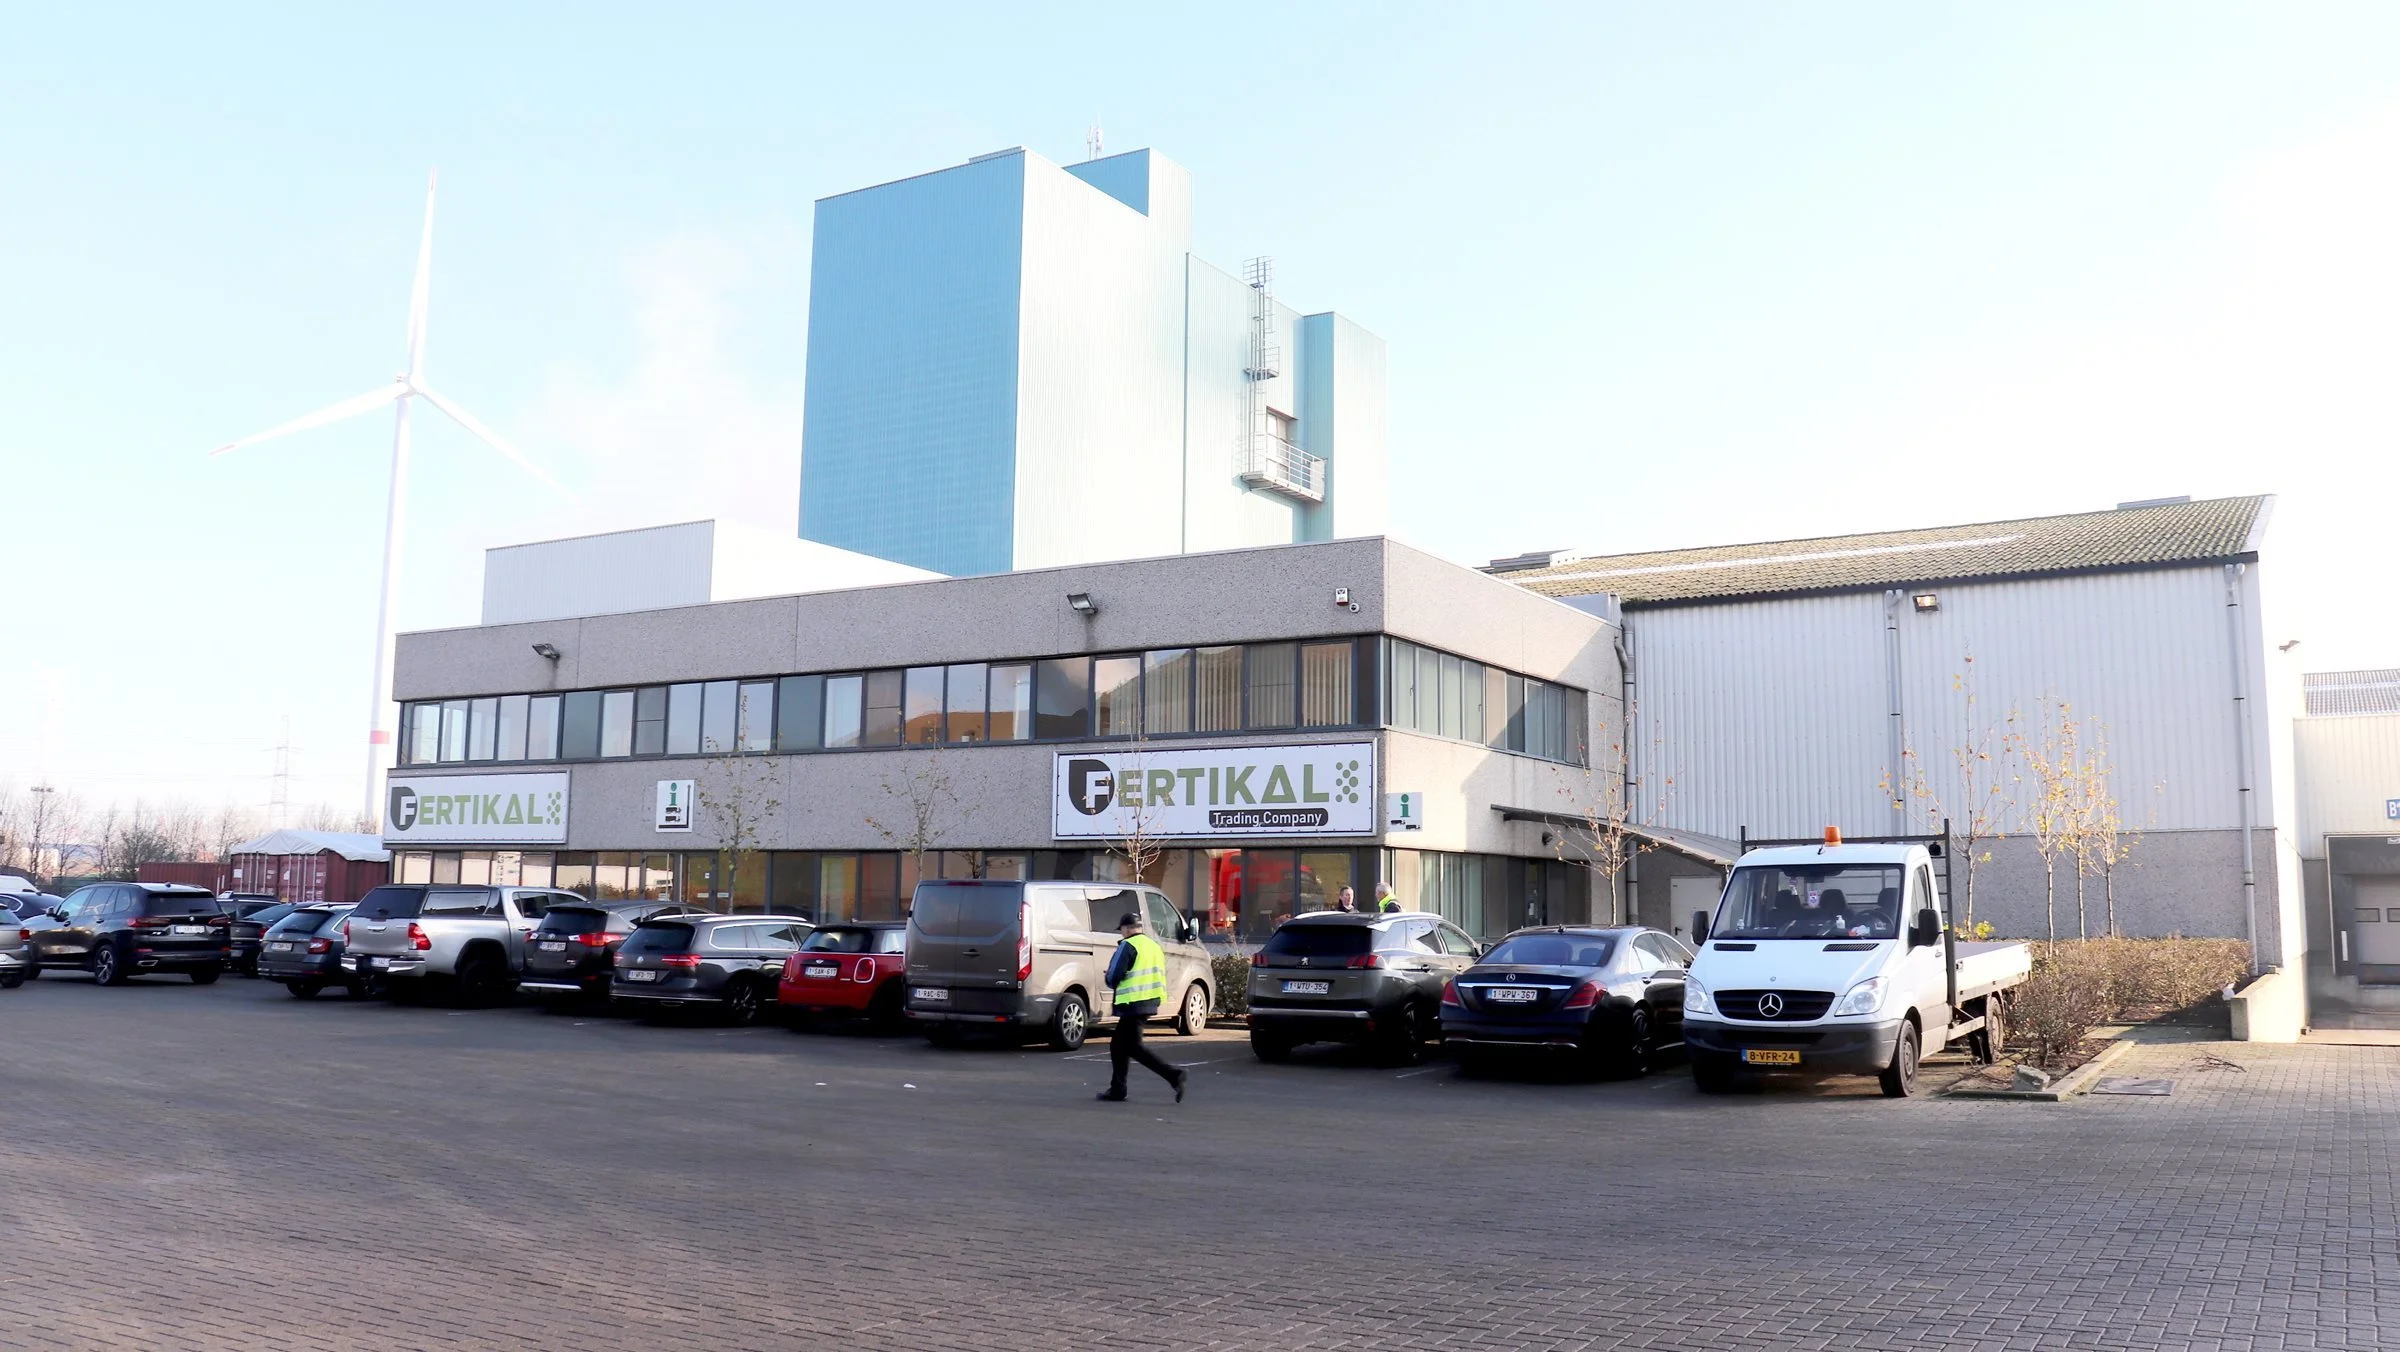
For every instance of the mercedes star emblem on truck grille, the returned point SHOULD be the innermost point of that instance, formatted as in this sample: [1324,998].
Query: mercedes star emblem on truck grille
[1770,1005]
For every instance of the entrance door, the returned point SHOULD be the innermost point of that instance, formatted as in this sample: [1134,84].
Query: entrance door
[2375,927]
[1688,894]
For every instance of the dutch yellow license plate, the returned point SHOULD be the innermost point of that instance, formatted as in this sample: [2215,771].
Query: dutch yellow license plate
[1759,1057]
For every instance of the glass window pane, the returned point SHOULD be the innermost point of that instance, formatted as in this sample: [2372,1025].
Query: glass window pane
[837,888]
[921,706]
[1470,705]
[717,718]
[1270,669]
[1217,689]
[454,730]
[534,868]
[1400,683]
[1011,718]
[424,735]
[1063,698]
[843,696]
[1117,683]
[510,743]
[650,721]
[412,866]
[966,696]
[541,727]
[1454,702]
[683,720]
[579,733]
[792,883]
[879,886]
[1167,690]
[483,728]
[616,723]
[800,714]
[572,873]
[1325,672]
[1429,691]
[1516,713]
[754,724]
[445,866]
[883,709]
[1495,701]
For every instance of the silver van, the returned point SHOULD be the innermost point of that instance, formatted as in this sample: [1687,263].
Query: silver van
[1026,957]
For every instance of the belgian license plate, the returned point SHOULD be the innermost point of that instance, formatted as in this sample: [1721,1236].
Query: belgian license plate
[191,929]
[1307,987]
[641,975]
[280,947]
[1760,1056]
[823,969]
[1512,995]
[554,945]
[932,995]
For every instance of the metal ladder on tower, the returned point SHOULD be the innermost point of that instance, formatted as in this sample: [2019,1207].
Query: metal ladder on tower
[1264,456]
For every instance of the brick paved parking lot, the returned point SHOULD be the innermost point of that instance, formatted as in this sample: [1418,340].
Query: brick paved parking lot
[227,1167]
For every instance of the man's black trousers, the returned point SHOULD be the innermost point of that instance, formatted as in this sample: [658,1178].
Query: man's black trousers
[1125,1045]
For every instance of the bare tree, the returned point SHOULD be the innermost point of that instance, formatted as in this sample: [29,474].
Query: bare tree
[1604,813]
[925,810]
[1978,811]
[738,796]
[2053,815]
[1140,844]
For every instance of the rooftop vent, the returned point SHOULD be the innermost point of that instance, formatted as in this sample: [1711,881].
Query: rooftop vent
[2177,501]
[1540,558]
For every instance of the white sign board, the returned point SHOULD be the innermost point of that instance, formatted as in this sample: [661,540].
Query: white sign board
[1404,811]
[529,809]
[1214,792]
[674,805]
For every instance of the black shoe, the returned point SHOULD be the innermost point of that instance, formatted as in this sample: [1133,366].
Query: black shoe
[1110,1096]
[1182,1078]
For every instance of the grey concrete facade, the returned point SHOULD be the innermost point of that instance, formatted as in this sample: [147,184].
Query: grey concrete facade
[1272,594]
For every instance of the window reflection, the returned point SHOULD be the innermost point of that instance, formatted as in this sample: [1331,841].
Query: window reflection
[1117,688]
[1011,717]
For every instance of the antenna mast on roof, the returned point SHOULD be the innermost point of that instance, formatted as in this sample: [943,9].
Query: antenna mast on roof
[1091,142]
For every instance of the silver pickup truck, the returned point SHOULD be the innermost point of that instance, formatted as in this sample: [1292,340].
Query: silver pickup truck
[472,939]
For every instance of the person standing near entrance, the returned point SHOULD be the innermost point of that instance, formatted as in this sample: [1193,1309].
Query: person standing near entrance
[1385,902]
[1138,974]
[1345,900]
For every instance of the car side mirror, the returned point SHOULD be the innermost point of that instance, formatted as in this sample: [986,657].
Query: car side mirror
[1191,931]
[1927,931]
[59,914]
[1699,927]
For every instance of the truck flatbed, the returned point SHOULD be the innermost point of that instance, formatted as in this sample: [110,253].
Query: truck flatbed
[1985,966]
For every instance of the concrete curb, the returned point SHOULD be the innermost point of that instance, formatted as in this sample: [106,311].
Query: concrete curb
[2060,1090]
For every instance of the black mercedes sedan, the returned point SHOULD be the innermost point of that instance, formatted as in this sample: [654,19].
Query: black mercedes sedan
[1610,998]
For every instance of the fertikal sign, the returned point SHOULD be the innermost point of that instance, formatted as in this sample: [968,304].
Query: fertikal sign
[477,809]
[1214,791]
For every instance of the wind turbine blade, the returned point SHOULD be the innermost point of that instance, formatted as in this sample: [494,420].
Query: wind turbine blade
[331,413]
[421,294]
[492,439]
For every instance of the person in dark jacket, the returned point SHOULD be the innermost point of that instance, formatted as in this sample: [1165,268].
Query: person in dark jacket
[1137,972]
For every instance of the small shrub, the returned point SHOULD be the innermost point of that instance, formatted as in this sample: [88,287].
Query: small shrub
[2060,1004]
[1233,982]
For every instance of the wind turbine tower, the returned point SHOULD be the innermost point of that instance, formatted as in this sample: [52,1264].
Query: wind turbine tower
[404,390]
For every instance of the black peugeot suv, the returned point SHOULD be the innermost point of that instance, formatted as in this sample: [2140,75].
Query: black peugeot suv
[120,930]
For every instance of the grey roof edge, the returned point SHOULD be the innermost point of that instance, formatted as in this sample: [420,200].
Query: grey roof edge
[1630,603]
[2258,527]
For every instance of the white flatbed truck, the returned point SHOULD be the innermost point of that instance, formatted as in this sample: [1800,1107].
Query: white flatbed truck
[1834,957]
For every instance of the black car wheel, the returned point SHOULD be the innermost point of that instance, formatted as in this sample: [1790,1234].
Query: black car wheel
[1071,1024]
[1269,1046]
[1899,1079]
[107,968]
[741,1003]
[1404,1043]
[304,990]
[1630,1051]
[885,1013]
[13,980]
[1715,1074]
[482,981]
[207,976]
[1987,1042]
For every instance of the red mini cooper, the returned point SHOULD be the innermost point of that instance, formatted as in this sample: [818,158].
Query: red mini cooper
[851,970]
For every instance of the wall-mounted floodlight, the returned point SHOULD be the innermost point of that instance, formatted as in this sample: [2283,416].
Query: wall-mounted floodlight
[545,651]
[1081,603]
[1926,602]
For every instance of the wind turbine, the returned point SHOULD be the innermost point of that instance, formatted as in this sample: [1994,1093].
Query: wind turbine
[405,389]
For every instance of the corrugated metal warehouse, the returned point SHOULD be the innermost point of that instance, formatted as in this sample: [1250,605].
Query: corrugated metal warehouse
[2347,762]
[1781,687]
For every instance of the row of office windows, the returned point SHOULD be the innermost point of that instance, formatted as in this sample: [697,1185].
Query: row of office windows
[1237,896]
[1162,693]
[1430,691]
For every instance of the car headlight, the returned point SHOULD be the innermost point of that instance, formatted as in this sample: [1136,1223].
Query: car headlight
[1695,998]
[1864,998]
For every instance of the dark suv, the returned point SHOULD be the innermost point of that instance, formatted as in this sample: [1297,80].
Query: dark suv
[728,963]
[119,930]
[573,952]
[303,950]
[1342,976]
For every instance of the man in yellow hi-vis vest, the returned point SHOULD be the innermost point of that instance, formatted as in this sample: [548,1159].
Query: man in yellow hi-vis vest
[1138,973]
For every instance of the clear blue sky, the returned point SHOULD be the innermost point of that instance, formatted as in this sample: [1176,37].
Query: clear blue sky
[1650,276]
